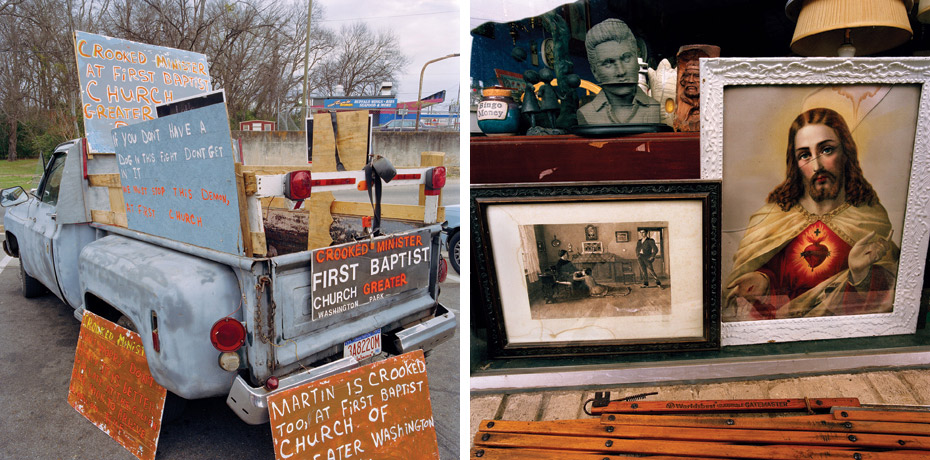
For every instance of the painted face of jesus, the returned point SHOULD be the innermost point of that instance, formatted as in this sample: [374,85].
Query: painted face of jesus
[819,154]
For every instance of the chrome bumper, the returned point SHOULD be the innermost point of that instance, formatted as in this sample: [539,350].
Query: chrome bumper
[251,404]
[427,334]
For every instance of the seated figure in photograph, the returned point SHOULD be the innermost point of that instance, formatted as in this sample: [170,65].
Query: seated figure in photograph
[566,271]
[821,244]
[613,57]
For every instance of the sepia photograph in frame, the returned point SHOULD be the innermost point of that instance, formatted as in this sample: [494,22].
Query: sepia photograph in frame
[652,293]
[824,231]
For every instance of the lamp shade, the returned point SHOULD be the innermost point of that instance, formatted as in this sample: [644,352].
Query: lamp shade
[873,25]
[923,11]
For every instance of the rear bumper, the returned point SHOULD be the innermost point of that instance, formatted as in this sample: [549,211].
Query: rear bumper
[251,403]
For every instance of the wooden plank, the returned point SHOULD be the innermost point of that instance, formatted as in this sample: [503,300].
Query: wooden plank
[883,416]
[249,183]
[806,438]
[117,205]
[258,242]
[271,170]
[320,220]
[352,127]
[108,218]
[244,213]
[104,180]
[539,454]
[429,159]
[388,211]
[324,142]
[723,405]
[809,423]
[679,448]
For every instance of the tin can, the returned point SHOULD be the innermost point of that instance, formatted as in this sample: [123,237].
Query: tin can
[498,114]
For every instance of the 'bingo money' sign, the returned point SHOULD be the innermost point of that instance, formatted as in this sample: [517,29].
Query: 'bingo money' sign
[352,275]
[122,82]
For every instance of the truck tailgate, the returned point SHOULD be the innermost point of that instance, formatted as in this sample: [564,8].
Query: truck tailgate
[345,291]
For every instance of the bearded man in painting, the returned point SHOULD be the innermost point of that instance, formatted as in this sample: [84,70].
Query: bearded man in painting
[820,246]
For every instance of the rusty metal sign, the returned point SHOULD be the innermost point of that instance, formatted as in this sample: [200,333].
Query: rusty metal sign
[111,386]
[381,411]
[348,276]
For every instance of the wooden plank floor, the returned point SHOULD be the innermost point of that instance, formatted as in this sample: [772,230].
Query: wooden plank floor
[910,387]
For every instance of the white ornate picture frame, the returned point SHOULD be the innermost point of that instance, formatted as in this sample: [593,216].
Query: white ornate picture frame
[748,106]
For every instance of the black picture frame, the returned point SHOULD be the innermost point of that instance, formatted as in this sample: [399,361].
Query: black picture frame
[623,237]
[492,273]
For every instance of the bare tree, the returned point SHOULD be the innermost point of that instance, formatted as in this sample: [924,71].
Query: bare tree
[361,60]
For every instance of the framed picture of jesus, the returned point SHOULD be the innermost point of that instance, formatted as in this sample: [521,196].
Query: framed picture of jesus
[824,205]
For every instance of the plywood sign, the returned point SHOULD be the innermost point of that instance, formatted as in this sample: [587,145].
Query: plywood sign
[351,275]
[179,178]
[122,81]
[381,411]
[112,387]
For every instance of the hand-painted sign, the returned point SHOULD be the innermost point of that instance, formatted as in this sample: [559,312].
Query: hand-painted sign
[122,82]
[348,276]
[353,103]
[111,386]
[381,411]
[179,178]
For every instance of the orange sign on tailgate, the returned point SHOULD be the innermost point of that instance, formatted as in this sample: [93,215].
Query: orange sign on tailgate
[379,411]
[112,387]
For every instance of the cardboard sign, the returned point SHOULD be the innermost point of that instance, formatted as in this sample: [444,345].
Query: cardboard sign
[122,82]
[111,386]
[347,276]
[379,411]
[179,178]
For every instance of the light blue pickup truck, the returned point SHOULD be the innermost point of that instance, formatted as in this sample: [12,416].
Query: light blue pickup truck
[215,323]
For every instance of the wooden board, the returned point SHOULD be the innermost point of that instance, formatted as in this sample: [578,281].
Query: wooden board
[352,127]
[381,411]
[388,211]
[428,159]
[320,220]
[538,454]
[679,448]
[139,75]
[824,422]
[179,179]
[723,405]
[111,386]
[585,428]
[324,141]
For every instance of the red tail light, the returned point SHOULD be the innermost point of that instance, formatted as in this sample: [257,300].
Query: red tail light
[227,334]
[272,383]
[298,185]
[435,180]
[443,270]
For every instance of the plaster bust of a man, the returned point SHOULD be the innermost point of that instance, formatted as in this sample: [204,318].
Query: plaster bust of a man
[612,54]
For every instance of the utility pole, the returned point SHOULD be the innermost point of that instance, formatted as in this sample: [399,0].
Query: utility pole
[416,125]
[306,101]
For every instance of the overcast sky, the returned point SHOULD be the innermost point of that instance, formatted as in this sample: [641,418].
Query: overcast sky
[425,29]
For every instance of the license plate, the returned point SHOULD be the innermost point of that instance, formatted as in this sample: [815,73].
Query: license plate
[364,346]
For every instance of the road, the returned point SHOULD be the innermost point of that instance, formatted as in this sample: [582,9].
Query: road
[37,342]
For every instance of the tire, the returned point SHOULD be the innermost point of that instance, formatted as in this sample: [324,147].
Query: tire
[174,404]
[454,252]
[31,287]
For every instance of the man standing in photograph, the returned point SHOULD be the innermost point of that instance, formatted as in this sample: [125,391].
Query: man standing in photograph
[821,244]
[646,251]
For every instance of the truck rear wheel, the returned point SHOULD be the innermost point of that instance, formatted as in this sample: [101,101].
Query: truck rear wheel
[31,287]
[454,251]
